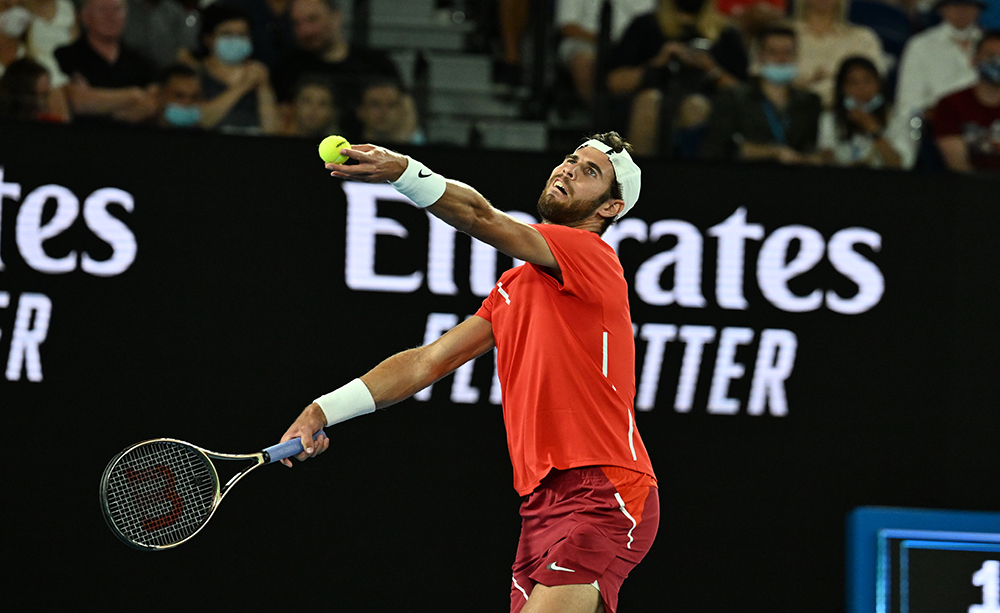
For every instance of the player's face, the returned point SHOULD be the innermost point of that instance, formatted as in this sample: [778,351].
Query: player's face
[577,187]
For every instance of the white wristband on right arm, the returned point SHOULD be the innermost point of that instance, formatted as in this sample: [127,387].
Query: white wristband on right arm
[346,402]
[419,184]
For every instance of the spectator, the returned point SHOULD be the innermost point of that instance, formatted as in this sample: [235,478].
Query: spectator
[53,25]
[270,28]
[825,39]
[935,63]
[388,115]
[512,18]
[324,50]
[670,59]
[25,92]
[314,109]
[109,81]
[853,132]
[162,30]
[767,118]
[14,23]
[579,24]
[967,123]
[180,98]
[237,89]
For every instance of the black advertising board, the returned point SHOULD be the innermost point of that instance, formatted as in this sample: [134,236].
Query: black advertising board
[807,341]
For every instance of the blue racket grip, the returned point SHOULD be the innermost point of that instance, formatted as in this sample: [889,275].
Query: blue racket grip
[287,449]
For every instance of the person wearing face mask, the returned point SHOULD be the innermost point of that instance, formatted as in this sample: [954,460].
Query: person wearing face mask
[237,89]
[666,65]
[180,98]
[853,132]
[767,118]
[934,63]
[967,123]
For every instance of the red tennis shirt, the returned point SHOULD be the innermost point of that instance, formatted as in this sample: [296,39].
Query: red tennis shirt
[566,361]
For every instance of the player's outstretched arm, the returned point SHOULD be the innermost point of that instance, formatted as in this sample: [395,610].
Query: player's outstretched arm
[395,379]
[455,203]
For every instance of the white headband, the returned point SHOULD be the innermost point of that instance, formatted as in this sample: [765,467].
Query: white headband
[626,172]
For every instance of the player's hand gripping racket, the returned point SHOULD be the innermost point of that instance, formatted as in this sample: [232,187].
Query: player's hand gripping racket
[159,493]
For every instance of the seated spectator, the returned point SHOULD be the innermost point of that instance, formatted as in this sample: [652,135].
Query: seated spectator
[579,24]
[109,81]
[323,49]
[270,28]
[767,118]
[967,123]
[162,30]
[314,110]
[14,23]
[685,48]
[853,132]
[388,115]
[935,63]
[237,89]
[825,40]
[53,25]
[25,93]
[180,98]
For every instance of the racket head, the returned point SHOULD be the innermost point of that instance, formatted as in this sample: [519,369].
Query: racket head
[159,493]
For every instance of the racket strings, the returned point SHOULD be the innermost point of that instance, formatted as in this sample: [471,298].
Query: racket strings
[160,493]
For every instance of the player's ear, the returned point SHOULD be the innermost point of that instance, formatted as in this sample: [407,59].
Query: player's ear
[611,208]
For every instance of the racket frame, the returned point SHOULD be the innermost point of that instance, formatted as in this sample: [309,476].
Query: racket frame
[260,457]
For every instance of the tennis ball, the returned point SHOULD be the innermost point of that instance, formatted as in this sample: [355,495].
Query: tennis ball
[330,148]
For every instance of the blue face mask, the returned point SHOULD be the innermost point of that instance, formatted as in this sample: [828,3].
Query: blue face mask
[233,49]
[850,103]
[779,74]
[989,70]
[181,116]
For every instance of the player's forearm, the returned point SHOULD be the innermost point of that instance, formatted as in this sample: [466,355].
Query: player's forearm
[400,376]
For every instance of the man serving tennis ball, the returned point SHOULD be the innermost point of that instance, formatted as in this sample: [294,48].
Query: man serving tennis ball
[566,360]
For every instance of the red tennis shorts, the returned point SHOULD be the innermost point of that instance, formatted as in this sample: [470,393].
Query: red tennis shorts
[582,526]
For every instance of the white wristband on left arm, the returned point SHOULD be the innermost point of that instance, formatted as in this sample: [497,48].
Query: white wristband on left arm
[419,184]
[346,402]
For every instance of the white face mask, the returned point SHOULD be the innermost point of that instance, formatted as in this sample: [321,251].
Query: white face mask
[14,21]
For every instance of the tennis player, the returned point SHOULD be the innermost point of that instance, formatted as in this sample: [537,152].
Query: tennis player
[566,360]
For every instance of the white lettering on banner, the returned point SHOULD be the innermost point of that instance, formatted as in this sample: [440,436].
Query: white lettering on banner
[31,326]
[30,232]
[111,231]
[772,368]
[363,227]
[7,190]
[672,276]
[683,261]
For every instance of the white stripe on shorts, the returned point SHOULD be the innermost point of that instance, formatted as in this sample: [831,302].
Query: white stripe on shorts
[518,586]
[618,497]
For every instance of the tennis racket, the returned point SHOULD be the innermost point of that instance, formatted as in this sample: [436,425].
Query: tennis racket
[159,493]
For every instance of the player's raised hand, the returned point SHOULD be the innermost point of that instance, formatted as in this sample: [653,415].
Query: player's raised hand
[311,420]
[374,164]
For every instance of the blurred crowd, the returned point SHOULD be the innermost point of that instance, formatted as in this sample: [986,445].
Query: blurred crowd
[909,84]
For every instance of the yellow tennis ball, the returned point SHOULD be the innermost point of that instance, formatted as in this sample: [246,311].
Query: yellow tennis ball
[330,148]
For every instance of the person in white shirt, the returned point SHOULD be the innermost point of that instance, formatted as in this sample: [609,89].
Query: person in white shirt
[826,39]
[934,63]
[579,24]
